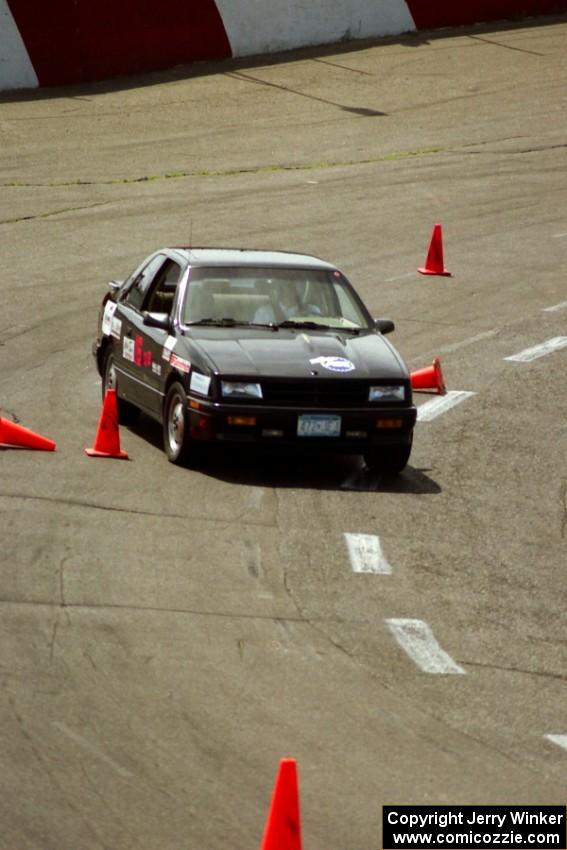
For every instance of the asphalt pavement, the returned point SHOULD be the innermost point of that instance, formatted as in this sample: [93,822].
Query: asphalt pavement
[167,635]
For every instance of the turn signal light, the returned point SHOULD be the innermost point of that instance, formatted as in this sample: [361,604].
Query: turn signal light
[389,423]
[249,421]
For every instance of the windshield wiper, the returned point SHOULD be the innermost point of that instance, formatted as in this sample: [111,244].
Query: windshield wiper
[209,321]
[289,323]
[316,326]
[229,323]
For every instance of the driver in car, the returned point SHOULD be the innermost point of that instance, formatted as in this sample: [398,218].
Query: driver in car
[285,305]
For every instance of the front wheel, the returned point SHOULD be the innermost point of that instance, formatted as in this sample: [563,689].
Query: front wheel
[389,459]
[176,438]
[127,413]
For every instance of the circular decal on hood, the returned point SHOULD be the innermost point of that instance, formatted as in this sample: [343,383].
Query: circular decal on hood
[334,364]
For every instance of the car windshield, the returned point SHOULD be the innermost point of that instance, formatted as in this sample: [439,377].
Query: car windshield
[276,297]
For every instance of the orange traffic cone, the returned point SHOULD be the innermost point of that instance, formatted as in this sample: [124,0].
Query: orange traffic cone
[283,828]
[430,379]
[434,262]
[107,440]
[15,436]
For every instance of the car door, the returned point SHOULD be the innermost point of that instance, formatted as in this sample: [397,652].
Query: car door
[152,344]
[133,363]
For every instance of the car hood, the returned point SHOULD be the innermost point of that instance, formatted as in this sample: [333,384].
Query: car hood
[297,354]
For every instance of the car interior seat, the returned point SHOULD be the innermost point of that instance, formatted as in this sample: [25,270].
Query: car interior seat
[200,304]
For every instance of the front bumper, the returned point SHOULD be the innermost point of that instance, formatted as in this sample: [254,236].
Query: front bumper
[360,429]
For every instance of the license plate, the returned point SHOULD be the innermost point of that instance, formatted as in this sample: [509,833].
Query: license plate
[318,425]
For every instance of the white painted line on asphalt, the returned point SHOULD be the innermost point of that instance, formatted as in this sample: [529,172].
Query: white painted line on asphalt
[541,350]
[416,638]
[561,306]
[366,555]
[431,409]
[91,748]
[559,235]
[560,740]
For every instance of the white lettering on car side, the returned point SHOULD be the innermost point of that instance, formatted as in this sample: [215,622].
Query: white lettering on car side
[168,347]
[179,363]
[106,324]
[128,349]
[116,327]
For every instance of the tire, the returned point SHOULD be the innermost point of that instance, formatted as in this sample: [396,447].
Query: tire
[391,460]
[176,438]
[127,412]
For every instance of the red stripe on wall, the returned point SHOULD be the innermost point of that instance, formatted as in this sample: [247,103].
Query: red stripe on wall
[71,41]
[448,13]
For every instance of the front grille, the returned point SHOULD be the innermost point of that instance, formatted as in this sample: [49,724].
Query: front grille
[316,393]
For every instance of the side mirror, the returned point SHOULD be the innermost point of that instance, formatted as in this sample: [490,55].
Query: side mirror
[114,285]
[158,320]
[385,326]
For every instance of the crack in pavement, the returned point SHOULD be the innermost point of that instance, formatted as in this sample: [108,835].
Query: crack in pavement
[84,504]
[538,673]
[227,172]
[9,414]
[62,211]
[518,152]
[78,503]
[190,612]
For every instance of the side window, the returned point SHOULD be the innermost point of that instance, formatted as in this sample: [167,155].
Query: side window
[159,298]
[142,282]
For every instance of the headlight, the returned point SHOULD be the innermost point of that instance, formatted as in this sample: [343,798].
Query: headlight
[240,389]
[395,392]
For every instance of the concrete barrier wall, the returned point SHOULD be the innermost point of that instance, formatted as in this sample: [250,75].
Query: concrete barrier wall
[431,14]
[16,69]
[72,41]
[284,24]
[69,41]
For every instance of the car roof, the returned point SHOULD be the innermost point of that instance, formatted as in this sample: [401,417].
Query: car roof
[250,257]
